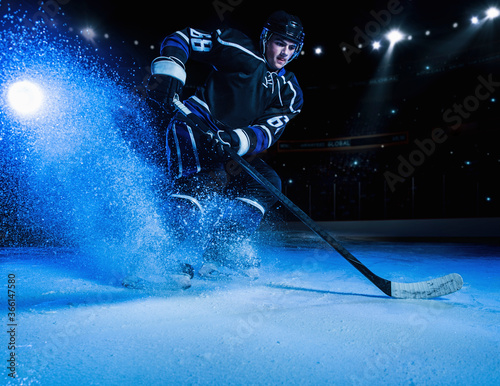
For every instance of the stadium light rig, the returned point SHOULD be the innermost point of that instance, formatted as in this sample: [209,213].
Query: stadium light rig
[394,37]
[89,34]
[492,13]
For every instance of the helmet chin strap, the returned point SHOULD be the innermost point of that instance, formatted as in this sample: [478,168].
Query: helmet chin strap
[264,45]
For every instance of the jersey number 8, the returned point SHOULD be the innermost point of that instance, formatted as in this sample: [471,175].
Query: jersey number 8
[200,42]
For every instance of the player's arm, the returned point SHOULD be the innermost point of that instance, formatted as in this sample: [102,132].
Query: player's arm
[168,70]
[266,130]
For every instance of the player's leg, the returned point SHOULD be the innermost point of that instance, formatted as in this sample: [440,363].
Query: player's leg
[192,171]
[249,203]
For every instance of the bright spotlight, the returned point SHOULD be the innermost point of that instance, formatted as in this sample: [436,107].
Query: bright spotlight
[88,33]
[394,36]
[25,97]
[376,45]
[318,50]
[492,12]
[474,20]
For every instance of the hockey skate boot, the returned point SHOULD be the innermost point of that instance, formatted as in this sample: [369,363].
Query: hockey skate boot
[183,215]
[228,250]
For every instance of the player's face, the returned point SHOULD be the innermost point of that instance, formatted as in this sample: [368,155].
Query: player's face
[279,51]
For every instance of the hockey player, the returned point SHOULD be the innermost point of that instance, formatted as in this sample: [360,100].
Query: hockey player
[248,98]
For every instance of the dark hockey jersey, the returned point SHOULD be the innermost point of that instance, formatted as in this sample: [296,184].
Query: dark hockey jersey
[241,93]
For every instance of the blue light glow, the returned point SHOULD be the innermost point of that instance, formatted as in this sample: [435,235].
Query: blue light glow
[25,97]
[78,163]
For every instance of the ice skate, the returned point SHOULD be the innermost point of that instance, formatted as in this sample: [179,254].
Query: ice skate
[178,279]
[226,260]
[229,252]
[213,271]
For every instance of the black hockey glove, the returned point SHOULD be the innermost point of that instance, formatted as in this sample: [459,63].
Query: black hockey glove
[167,79]
[224,138]
[162,89]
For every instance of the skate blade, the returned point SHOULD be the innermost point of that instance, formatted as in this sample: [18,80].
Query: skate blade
[170,283]
[211,271]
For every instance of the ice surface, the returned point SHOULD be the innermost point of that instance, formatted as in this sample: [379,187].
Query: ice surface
[82,173]
[309,319]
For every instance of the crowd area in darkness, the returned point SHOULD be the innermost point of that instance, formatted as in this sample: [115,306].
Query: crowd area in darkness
[447,166]
[453,87]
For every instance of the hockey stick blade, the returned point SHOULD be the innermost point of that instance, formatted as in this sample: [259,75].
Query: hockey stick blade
[421,290]
[434,288]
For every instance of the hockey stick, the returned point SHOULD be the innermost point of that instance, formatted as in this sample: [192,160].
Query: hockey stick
[419,290]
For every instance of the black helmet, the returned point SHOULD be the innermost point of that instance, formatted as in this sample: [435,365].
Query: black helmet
[285,25]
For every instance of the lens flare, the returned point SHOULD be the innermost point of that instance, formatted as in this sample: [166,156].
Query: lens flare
[25,97]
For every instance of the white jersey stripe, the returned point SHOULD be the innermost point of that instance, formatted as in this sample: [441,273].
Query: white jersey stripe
[293,98]
[183,36]
[240,48]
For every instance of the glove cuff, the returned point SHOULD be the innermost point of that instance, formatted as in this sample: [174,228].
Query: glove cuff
[233,139]
[168,66]
[243,141]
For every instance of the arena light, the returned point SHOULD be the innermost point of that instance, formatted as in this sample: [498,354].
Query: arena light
[394,37]
[25,97]
[492,13]
[376,45]
[474,20]
[88,33]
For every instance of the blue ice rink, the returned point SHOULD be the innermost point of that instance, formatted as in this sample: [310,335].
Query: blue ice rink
[309,319]
[80,172]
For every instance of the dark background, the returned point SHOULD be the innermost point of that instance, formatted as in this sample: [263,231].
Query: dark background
[372,94]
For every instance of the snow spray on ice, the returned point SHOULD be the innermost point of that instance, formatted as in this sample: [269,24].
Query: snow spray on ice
[76,163]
